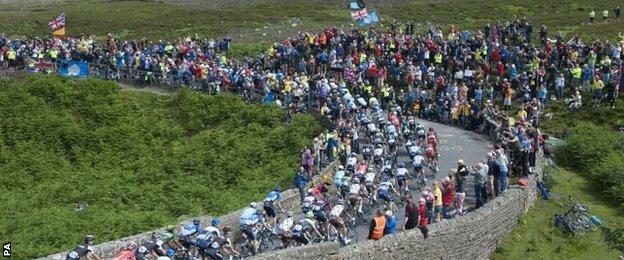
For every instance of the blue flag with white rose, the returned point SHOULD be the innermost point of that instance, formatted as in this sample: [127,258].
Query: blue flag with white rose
[79,69]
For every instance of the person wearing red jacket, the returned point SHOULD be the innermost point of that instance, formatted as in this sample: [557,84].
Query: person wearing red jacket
[448,190]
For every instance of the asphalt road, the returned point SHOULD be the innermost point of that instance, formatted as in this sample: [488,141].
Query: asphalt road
[455,144]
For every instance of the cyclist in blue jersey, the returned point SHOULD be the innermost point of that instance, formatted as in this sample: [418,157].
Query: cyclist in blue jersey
[272,204]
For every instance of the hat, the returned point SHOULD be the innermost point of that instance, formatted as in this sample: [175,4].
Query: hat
[460,161]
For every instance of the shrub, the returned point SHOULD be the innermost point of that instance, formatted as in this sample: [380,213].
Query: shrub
[598,152]
[139,161]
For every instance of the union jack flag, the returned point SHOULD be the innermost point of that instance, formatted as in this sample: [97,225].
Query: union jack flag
[57,23]
[358,15]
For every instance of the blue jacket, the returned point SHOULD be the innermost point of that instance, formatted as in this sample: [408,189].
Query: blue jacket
[300,180]
[391,224]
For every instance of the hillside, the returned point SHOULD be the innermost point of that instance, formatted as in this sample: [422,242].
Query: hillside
[263,20]
[133,161]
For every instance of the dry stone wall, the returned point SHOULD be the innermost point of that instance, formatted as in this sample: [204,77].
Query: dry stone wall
[108,250]
[473,236]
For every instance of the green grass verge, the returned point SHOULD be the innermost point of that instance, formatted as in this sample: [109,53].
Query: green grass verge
[563,118]
[261,20]
[536,237]
[140,161]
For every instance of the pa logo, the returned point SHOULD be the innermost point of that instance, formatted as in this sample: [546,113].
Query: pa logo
[6,249]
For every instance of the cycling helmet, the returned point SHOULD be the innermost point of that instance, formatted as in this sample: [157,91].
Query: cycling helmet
[142,250]
[131,245]
[226,229]
[89,239]
[355,180]
[386,179]
[215,222]
[253,205]
[278,189]
[353,154]
[289,214]
[155,235]
[196,221]
[340,202]
[378,146]
[401,165]
[340,167]
[309,214]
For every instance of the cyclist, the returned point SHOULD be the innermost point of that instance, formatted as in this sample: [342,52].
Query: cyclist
[83,250]
[413,150]
[378,154]
[308,202]
[420,133]
[355,194]
[401,175]
[351,162]
[250,221]
[284,229]
[271,203]
[417,161]
[188,234]
[384,192]
[214,226]
[360,170]
[335,218]
[344,188]
[339,174]
[432,157]
[221,243]
[151,248]
[128,253]
[432,139]
[301,230]
[369,183]
[367,153]
[320,215]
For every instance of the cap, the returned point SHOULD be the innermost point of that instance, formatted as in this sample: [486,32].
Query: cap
[460,161]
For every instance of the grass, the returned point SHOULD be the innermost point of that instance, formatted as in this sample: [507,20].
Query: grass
[535,236]
[563,118]
[262,20]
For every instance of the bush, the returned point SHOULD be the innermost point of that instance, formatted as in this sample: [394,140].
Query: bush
[598,152]
[587,144]
[139,161]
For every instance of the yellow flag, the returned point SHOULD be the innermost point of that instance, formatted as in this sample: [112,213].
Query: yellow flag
[59,32]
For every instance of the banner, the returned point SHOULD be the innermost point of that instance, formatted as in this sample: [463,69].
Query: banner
[78,69]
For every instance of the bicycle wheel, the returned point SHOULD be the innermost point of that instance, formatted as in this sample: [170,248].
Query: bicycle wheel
[267,244]
[243,247]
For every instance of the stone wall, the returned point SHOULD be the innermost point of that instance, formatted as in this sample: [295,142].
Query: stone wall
[108,250]
[473,236]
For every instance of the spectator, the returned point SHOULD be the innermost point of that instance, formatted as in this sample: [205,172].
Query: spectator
[422,218]
[605,15]
[391,223]
[437,203]
[460,186]
[592,15]
[301,181]
[377,226]
[410,221]
[617,12]
[480,171]
[448,191]
[503,164]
